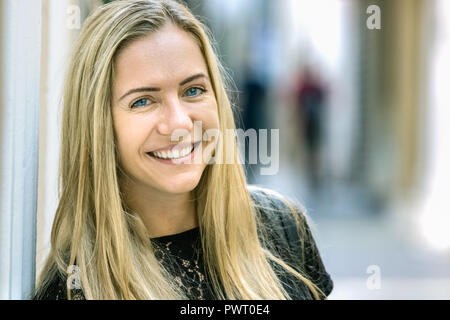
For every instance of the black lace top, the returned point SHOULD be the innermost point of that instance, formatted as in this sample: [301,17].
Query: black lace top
[181,254]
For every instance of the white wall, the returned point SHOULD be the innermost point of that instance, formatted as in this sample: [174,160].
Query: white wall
[19,102]
[62,21]
[434,217]
[36,39]
[59,23]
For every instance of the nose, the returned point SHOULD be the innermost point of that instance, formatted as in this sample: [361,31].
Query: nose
[175,116]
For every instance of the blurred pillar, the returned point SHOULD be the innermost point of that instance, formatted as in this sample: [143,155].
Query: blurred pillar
[372,157]
[391,65]
[404,72]
[434,210]
[20,46]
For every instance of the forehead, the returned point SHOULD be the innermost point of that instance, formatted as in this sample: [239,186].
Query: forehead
[167,55]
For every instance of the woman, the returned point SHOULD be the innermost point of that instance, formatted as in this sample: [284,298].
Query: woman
[146,209]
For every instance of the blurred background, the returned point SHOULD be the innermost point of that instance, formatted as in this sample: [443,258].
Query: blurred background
[357,90]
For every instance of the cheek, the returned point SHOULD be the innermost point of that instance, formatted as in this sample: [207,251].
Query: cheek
[127,136]
[210,117]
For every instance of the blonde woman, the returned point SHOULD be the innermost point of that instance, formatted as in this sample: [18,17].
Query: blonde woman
[143,215]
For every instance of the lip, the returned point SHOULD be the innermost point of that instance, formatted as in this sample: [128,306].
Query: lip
[177,146]
[178,161]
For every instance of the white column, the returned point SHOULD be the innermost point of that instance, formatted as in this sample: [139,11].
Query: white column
[435,215]
[61,24]
[20,31]
[54,47]
[62,21]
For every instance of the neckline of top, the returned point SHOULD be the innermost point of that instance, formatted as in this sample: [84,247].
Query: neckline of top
[176,236]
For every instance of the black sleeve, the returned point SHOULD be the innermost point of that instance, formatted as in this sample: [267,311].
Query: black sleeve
[311,260]
[57,290]
[294,242]
[53,290]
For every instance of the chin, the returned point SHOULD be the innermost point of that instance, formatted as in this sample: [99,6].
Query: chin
[182,185]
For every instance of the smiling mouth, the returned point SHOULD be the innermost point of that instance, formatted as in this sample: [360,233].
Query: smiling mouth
[174,153]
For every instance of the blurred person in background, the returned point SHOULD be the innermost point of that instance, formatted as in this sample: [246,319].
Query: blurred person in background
[310,96]
[253,99]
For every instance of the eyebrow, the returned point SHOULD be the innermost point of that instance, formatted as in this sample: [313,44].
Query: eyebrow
[142,89]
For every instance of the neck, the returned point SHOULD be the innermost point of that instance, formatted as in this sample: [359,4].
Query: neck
[163,214]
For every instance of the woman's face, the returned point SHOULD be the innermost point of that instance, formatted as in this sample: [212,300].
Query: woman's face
[161,87]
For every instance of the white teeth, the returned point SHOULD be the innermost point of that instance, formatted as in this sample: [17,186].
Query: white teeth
[173,154]
[184,152]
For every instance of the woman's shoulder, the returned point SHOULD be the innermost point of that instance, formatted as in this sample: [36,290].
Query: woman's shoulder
[273,205]
[262,192]
[287,225]
[277,211]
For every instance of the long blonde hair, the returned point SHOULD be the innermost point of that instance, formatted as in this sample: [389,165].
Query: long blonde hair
[92,227]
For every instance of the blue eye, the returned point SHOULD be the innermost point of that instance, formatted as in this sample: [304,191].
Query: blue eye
[141,103]
[194,91]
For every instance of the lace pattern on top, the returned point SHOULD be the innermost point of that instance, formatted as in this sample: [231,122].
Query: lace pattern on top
[180,254]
